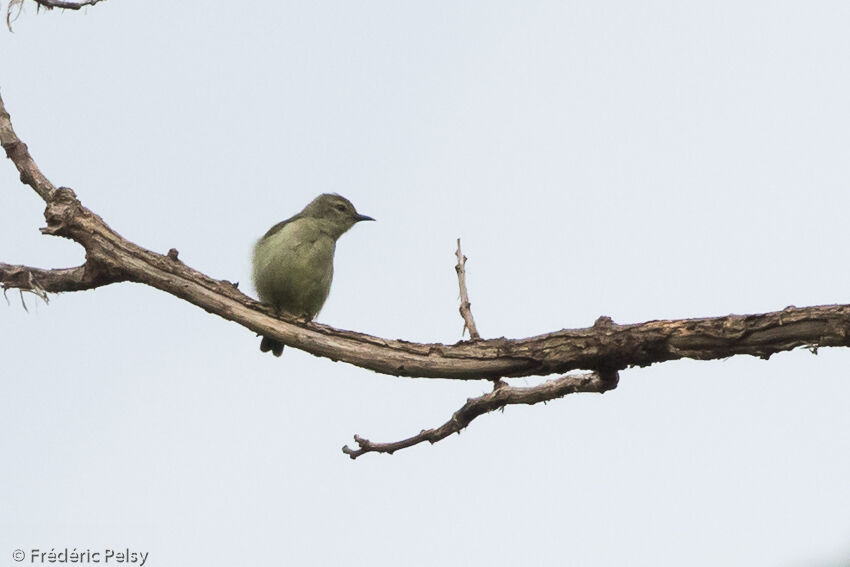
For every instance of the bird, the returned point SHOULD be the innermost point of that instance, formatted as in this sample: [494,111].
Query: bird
[293,261]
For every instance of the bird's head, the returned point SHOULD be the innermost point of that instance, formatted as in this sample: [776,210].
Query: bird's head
[335,212]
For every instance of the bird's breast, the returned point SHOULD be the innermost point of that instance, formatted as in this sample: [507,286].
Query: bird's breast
[293,269]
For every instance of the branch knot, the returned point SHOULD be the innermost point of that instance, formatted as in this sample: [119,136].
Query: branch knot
[61,211]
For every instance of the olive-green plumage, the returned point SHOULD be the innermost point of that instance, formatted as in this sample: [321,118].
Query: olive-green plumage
[294,260]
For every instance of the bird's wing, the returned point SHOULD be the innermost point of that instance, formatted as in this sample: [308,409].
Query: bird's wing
[276,228]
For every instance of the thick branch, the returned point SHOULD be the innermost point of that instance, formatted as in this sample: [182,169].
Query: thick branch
[501,396]
[603,346]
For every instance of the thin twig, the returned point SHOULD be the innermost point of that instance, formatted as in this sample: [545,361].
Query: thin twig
[501,396]
[465,305]
[19,4]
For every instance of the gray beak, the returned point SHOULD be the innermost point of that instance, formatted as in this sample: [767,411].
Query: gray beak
[360,217]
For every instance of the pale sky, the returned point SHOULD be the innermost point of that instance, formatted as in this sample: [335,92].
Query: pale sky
[640,160]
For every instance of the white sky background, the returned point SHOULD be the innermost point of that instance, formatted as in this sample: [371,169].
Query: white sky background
[640,160]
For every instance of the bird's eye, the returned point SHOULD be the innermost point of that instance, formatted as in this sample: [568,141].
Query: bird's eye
[340,208]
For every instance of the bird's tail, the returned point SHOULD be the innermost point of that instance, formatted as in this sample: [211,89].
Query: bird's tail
[269,344]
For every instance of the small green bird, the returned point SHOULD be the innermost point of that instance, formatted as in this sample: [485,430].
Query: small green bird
[294,260]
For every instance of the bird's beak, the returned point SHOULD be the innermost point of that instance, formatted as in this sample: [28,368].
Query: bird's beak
[360,217]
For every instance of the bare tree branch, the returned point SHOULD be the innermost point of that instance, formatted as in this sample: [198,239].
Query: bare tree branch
[605,347]
[47,4]
[501,396]
[17,151]
[465,306]
[52,281]
[65,4]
